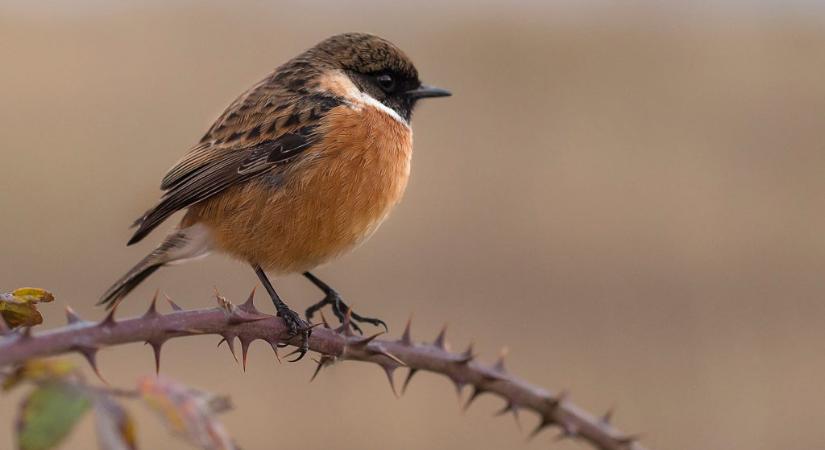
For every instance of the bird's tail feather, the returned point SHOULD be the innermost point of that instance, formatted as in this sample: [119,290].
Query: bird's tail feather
[187,243]
[128,282]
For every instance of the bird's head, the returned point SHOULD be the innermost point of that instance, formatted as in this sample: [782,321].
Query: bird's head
[376,67]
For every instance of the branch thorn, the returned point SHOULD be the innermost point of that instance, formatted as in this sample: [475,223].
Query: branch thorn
[499,366]
[90,353]
[474,395]
[607,417]
[511,408]
[174,305]
[71,316]
[441,339]
[249,305]
[406,339]
[389,370]
[156,347]
[153,307]
[230,342]
[244,349]
[322,362]
[408,379]
[273,342]
[109,320]
[467,356]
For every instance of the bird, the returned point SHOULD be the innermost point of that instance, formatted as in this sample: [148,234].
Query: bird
[299,169]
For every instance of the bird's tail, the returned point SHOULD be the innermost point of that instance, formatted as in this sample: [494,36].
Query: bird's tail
[185,244]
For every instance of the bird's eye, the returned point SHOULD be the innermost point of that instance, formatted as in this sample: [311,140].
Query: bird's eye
[386,82]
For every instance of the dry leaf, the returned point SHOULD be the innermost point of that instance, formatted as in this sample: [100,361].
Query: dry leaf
[18,308]
[188,412]
[39,370]
[115,426]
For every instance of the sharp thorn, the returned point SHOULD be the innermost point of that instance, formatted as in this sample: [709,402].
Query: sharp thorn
[362,342]
[109,320]
[273,342]
[244,350]
[514,412]
[406,339]
[174,305]
[383,352]
[318,367]
[561,397]
[545,422]
[607,417]
[90,353]
[249,304]
[156,347]
[467,356]
[513,409]
[153,307]
[440,340]
[71,316]
[499,366]
[408,379]
[389,370]
[459,386]
[322,362]
[473,396]
[230,342]
[504,410]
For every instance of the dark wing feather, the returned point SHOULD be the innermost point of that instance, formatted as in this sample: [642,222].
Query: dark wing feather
[222,170]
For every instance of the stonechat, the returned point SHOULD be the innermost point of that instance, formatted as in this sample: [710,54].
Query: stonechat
[299,169]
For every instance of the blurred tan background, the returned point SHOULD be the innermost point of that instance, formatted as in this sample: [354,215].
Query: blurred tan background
[628,195]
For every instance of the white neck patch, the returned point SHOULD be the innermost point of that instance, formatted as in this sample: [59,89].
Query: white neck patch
[363,97]
[339,83]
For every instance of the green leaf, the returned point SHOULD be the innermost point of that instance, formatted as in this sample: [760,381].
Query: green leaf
[48,415]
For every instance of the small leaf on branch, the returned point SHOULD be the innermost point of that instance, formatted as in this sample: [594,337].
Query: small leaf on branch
[33,295]
[189,413]
[48,415]
[39,370]
[18,308]
[115,427]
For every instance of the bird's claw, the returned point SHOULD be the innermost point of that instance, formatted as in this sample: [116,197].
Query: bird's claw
[341,309]
[296,326]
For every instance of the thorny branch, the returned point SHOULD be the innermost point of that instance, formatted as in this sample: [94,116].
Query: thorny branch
[246,324]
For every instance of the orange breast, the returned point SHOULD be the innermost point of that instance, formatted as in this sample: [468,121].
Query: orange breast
[331,199]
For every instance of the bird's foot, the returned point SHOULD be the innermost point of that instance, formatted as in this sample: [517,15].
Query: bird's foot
[296,327]
[341,309]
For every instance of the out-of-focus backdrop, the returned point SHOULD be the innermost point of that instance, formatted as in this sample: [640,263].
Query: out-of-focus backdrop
[627,195]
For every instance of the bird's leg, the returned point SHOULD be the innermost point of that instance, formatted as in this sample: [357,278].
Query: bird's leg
[339,308]
[293,320]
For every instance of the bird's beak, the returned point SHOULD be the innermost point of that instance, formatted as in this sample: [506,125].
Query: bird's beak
[426,91]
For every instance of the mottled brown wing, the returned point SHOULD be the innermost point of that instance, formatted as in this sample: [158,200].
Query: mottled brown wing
[224,168]
[259,113]
[267,125]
